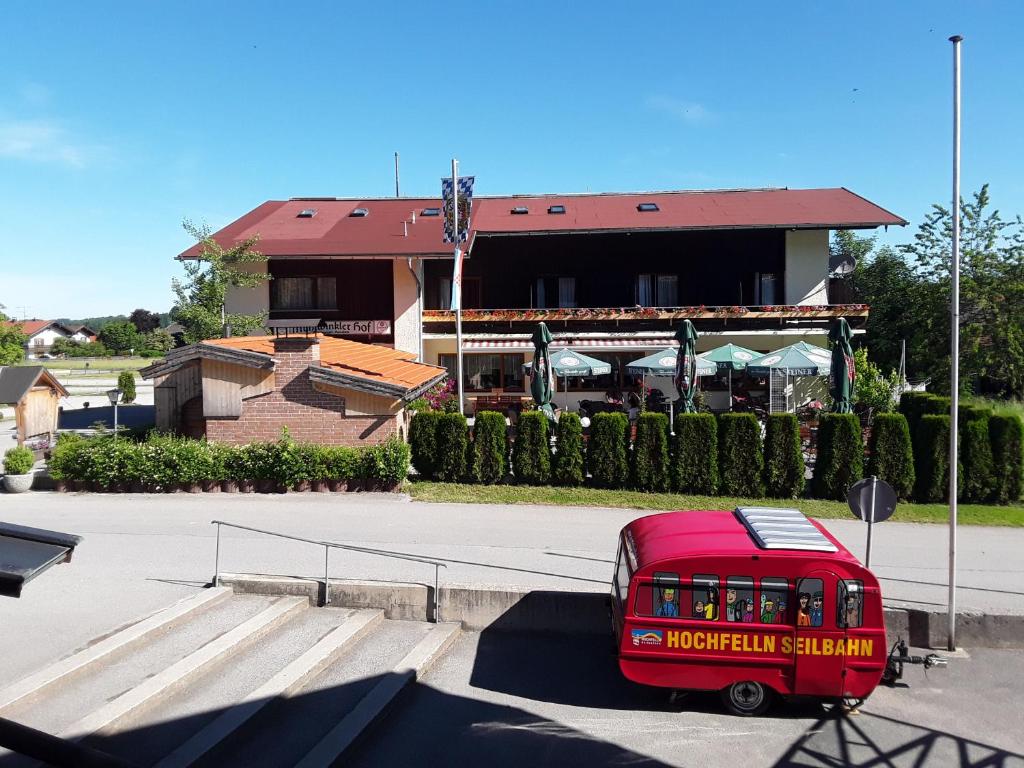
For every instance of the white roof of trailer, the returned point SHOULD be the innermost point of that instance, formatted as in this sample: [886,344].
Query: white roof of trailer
[776,528]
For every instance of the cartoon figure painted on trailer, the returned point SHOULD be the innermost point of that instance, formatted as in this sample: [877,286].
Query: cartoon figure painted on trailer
[668,607]
[852,611]
[767,610]
[711,605]
[817,609]
[803,611]
[733,608]
[698,610]
[748,610]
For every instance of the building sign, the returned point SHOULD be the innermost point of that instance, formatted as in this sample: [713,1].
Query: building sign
[358,327]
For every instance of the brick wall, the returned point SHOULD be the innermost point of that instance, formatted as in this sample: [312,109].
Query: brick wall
[310,415]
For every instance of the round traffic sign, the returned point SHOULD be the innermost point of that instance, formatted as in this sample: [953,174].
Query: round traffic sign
[872,500]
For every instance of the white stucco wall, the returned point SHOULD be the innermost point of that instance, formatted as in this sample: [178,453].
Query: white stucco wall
[42,341]
[249,301]
[407,306]
[807,267]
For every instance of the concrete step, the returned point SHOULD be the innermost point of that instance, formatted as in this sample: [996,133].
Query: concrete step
[55,708]
[184,726]
[288,729]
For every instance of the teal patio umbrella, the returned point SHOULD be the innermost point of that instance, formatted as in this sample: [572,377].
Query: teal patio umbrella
[843,374]
[541,384]
[800,359]
[730,357]
[686,367]
[568,362]
[663,363]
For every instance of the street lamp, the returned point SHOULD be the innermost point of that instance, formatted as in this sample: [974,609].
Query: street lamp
[114,395]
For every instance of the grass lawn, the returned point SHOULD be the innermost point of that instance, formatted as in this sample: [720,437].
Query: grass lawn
[968,514]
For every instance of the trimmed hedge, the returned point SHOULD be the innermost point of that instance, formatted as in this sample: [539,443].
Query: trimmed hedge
[931,459]
[979,481]
[1007,436]
[914,405]
[783,458]
[126,383]
[650,453]
[569,468]
[452,446]
[695,454]
[840,461]
[740,457]
[608,450]
[490,447]
[891,454]
[531,453]
[423,442]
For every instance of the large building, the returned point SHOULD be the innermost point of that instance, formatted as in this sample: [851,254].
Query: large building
[610,274]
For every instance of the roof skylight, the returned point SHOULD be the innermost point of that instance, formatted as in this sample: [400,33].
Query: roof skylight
[360,212]
[430,212]
[647,207]
[556,209]
[306,213]
[520,210]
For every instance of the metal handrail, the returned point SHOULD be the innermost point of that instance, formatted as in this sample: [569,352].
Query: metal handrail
[328,546]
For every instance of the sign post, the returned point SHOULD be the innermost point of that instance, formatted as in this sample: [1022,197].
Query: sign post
[873,501]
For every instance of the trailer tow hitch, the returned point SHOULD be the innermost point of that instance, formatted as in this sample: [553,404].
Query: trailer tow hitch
[899,655]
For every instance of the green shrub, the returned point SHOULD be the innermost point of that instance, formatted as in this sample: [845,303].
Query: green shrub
[914,405]
[891,455]
[740,457]
[19,461]
[531,452]
[695,454]
[423,442]
[386,463]
[1006,433]
[315,458]
[569,469]
[608,450]
[490,447]
[452,442]
[650,468]
[126,383]
[931,459]
[979,482]
[783,458]
[66,456]
[342,463]
[967,412]
[840,460]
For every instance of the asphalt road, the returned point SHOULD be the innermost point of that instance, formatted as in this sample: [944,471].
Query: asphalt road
[142,552]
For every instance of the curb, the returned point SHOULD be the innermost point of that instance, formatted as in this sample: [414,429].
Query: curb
[519,609]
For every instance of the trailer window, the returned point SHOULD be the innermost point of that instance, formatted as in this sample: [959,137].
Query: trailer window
[739,598]
[705,597]
[774,607]
[850,603]
[621,579]
[810,598]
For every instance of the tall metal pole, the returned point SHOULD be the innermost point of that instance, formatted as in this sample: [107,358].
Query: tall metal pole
[396,176]
[457,288]
[954,311]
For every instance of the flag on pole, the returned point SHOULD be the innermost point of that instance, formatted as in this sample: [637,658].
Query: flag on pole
[459,233]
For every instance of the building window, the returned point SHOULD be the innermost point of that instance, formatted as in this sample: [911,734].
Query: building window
[657,290]
[668,290]
[566,292]
[305,293]
[512,373]
[555,293]
[482,373]
[444,292]
[767,288]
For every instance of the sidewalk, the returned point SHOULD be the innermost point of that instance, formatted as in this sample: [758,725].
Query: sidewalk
[142,552]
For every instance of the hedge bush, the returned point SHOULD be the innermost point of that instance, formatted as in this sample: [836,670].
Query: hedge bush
[386,463]
[783,457]
[19,461]
[568,467]
[740,457]
[608,450]
[490,447]
[979,481]
[840,460]
[66,456]
[423,442]
[452,444]
[126,383]
[695,454]
[531,454]
[914,405]
[1007,436]
[650,467]
[891,455]
[931,459]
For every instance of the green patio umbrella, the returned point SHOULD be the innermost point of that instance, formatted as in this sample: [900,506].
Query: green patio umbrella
[799,359]
[686,367]
[730,357]
[663,363]
[843,374]
[541,384]
[568,362]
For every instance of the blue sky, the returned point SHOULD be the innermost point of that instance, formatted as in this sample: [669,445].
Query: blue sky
[119,119]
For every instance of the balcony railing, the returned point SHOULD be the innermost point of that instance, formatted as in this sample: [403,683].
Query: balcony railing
[768,312]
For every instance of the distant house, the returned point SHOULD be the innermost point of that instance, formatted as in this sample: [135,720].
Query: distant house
[42,333]
[323,389]
[35,394]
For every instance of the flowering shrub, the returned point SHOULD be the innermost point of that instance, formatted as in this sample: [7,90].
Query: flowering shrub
[443,397]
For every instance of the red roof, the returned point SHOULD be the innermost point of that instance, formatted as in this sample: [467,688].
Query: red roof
[703,532]
[30,327]
[387,229]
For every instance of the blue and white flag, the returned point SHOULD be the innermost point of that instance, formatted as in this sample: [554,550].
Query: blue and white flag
[457,232]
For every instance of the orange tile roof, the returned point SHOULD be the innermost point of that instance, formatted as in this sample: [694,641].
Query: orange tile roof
[353,358]
[29,327]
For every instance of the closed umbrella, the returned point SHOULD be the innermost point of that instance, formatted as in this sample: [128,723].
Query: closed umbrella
[843,374]
[730,357]
[568,362]
[686,367]
[541,383]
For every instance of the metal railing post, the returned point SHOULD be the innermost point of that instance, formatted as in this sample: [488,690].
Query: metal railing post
[437,596]
[216,561]
[327,578]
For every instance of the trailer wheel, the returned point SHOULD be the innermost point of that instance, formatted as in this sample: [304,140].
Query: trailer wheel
[747,698]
